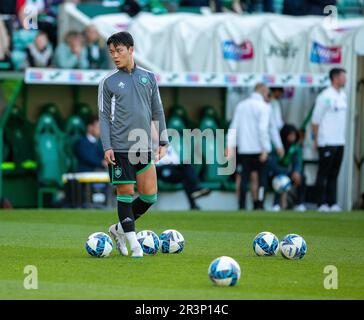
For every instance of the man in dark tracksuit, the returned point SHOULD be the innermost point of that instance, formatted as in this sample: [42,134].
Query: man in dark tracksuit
[128,102]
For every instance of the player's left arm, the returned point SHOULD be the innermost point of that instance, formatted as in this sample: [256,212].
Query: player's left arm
[159,121]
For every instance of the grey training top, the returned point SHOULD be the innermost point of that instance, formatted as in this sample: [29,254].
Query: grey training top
[129,101]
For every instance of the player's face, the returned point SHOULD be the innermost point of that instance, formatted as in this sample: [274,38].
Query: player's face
[341,79]
[121,55]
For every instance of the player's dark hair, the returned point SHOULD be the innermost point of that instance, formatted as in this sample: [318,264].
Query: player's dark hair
[90,120]
[280,89]
[335,72]
[123,38]
[285,131]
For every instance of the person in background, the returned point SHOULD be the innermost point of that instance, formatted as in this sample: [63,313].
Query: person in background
[71,54]
[39,53]
[88,149]
[249,132]
[170,169]
[328,128]
[317,7]
[276,93]
[5,59]
[215,5]
[97,54]
[290,164]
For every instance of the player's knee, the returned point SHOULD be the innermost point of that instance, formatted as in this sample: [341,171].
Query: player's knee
[125,189]
[149,198]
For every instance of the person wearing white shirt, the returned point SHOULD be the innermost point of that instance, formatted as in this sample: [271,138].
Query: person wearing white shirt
[171,170]
[276,94]
[250,134]
[328,127]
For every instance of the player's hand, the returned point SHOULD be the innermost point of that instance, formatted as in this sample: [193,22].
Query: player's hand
[263,157]
[162,150]
[109,156]
[280,152]
[296,178]
[104,163]
[315,144]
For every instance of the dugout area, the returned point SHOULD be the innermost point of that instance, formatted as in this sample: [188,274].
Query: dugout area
[41,122]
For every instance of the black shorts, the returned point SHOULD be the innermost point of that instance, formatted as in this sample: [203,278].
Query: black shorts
[127,167]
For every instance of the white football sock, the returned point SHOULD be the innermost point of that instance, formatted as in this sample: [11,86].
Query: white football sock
[131,236]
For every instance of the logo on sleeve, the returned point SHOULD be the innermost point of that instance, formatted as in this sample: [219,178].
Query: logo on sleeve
[143,80]
[121,85]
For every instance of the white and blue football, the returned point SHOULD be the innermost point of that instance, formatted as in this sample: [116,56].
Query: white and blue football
[281,183]
[224,271]
[149,241]
[265,244]
[99,245]
[293,247]
[171,241]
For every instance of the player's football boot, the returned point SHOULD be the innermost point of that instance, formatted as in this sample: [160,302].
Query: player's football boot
[120,239]
[137,252]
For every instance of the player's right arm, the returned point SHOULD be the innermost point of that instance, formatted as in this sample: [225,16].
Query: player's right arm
[263,128]
[321,105]
[104,104]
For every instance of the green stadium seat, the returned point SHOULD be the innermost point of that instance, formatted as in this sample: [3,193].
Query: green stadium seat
[18,137]
[177,123]
[83,110]
[53,110]
[211,178]
[17,58]
[50,146]
[75,128]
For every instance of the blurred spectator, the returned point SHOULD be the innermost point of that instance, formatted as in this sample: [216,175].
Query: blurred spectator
[291,165]
[47,19]
[232,5]
[250,134]
[215,5]
[169,169]
[71,54]
[39,53]
[88,148]
[316,7]
[5,61]
[328,128]
[294,7]
[131,7]
[97,54]
[276,94]
[12,8]
[267,5]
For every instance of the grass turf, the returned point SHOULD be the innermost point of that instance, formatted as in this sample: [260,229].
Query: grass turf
[53,241]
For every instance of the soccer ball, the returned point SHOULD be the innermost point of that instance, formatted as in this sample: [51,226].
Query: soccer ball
[99,244]
[281,183]
[293,246]
[224,271]
[149,241]
[171,241]
[97,234]
[266,244]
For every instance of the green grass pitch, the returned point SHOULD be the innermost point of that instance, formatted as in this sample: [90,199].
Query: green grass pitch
[53,241]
